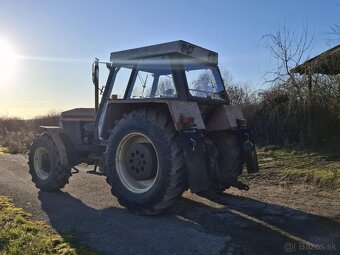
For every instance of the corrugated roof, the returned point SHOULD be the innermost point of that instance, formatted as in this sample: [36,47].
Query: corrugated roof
[327,62]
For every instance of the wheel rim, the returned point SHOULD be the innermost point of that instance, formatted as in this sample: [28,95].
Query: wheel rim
[42,163]
[123,156]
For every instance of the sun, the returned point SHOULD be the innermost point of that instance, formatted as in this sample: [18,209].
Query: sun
[7,62]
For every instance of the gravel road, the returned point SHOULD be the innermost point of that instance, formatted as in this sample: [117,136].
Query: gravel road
[195,225]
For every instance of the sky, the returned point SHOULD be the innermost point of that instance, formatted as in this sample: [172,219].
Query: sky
[47,46]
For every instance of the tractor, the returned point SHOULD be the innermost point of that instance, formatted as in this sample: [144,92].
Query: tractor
[161,125]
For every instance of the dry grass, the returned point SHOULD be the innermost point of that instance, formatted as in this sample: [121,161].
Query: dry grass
[17,142]
[16,135]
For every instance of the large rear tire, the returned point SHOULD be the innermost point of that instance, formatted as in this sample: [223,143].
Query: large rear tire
[144,162]
[46,170]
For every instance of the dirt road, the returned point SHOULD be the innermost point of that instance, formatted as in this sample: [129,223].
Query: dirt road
[233,225]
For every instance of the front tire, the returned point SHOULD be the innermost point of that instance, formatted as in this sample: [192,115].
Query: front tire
[144,162]
[46,170]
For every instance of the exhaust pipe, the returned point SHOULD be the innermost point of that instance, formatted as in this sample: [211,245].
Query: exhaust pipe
[95,81]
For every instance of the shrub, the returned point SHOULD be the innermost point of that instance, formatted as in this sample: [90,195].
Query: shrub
[17,134]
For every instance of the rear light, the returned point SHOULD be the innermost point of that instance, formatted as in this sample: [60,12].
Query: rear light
[186,120]
[242,122]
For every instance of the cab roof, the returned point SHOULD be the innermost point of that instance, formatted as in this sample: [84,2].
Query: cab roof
[182,48]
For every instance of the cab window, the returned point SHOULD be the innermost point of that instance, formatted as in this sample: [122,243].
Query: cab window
[121,81]
[153,79]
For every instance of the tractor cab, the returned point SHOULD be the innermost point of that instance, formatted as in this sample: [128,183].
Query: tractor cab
[175,70]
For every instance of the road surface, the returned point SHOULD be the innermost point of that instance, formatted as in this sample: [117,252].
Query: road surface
[195,225]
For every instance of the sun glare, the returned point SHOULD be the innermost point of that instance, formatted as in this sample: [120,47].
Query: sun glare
[7,62]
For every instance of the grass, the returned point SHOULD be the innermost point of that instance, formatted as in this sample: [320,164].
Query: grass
[19,235]
[3,150]
[16,142]
[318,167]
[16,135]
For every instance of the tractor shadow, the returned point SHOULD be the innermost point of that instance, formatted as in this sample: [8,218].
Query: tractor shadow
[114,230]
[190,227]
[261,228]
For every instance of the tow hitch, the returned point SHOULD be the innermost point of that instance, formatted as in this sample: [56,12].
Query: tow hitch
[240,185]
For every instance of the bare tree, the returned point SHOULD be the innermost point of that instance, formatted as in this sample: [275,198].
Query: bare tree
[288,50]
[334,34]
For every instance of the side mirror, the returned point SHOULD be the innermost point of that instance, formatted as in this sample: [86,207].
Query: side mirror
[95,72]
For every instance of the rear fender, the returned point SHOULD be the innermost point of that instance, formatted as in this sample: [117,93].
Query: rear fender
[224,117]
[115,109]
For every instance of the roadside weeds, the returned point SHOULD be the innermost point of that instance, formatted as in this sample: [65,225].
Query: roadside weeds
[19,234]
[319,168]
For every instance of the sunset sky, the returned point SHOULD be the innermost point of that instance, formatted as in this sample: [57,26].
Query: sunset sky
[47,47]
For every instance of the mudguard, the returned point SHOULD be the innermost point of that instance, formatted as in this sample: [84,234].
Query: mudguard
[66,150]
[195,161]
